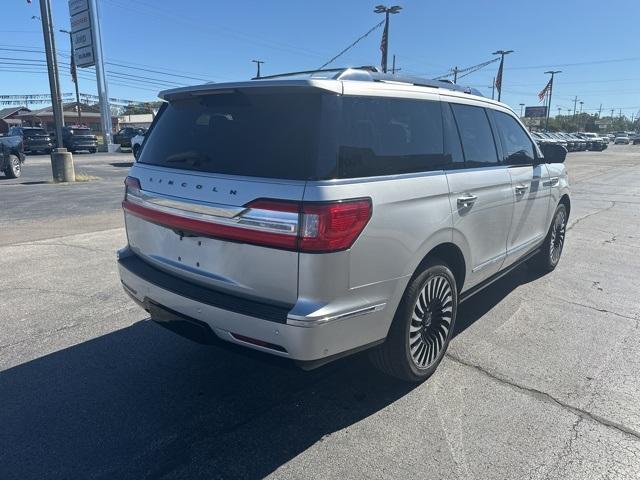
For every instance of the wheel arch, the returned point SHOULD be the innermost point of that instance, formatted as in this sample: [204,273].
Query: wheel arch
[452,255]
[566,201]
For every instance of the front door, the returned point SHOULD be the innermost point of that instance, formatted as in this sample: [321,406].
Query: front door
[480,195]
[531,190]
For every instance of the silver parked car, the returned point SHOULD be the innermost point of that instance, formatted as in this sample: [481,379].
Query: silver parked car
[317,215]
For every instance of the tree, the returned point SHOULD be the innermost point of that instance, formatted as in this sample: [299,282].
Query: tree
[141,108]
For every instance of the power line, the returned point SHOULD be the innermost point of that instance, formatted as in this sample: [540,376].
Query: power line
[375,27]
[466,71]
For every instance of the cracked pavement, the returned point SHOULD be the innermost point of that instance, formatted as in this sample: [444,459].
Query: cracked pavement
[542,380]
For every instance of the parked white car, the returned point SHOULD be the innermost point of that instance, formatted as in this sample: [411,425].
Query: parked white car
[621,140]
[136,145]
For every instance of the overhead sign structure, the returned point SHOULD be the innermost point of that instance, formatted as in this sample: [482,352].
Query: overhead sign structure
[81,31]
[535,112]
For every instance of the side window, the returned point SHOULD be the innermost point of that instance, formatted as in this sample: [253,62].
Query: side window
[518,148]
[475,132]
[452,146]
[386,136]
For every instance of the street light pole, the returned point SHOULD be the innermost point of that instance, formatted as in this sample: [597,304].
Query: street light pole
[502,53]
[258,63]
[74,76]
[384,45]
[552,73]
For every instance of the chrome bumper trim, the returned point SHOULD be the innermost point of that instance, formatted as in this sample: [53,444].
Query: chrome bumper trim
[310,321]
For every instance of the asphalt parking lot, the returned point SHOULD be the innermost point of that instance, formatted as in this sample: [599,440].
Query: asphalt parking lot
[541,381]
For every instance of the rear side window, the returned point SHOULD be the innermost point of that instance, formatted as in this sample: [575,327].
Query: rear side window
[475,133]
[517,146]
[386,136]
[236,133]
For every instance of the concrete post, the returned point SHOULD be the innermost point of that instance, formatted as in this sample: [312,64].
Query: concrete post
[62,166]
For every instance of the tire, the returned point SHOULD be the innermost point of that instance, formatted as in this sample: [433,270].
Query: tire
[549,256]
[422,326]
[136,151]
[14,169]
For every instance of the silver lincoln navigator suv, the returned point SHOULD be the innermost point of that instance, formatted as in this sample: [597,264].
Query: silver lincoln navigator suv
[314,215]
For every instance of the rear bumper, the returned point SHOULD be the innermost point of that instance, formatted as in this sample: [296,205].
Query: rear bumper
[206,315]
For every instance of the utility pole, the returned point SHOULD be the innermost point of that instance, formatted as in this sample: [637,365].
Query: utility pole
[74,76]
[493,89]
[61,161]
[575,104]
[52,67]
[580,117]
[521,106]
[552,73]
[258,63]
[384,44]
[600,111]
[502,53]
[393,65]
[455,74]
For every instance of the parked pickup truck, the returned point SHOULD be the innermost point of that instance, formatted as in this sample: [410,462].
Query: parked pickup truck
[11,156]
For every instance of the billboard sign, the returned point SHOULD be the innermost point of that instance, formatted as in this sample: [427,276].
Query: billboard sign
[81,33]
[535,112]
[82,39]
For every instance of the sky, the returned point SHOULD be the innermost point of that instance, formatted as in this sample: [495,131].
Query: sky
[152,45]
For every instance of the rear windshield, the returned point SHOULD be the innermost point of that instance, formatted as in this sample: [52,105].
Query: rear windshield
[29,132]
[260,135]
[301,136]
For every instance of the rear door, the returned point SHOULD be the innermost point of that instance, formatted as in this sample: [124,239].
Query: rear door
[480,194]
[531,187]
[207,167]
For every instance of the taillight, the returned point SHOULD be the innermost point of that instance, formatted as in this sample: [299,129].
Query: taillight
[299,226]
[329,227]
[131,185]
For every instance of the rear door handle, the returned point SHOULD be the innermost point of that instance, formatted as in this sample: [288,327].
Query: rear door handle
[466,200]
[521,189]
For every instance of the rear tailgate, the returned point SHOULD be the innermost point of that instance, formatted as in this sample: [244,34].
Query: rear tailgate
[188,250]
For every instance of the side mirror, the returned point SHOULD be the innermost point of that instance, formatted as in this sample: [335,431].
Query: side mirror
[554,153]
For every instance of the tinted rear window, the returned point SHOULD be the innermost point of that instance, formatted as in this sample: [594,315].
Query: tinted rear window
[386,136]
[301,136]
[29,132]
[259,135]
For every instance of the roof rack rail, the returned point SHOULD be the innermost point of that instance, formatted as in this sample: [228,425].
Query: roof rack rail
[372,74]
[367,68]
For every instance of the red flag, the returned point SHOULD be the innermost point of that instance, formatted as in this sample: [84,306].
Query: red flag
[545,91]
[499,77]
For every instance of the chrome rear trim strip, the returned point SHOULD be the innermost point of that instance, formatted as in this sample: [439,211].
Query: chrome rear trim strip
[310,321]
[285,223]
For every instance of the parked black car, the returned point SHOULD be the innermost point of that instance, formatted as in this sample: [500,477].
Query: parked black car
[34,139]
[124,136]
[79,137]
[11,156]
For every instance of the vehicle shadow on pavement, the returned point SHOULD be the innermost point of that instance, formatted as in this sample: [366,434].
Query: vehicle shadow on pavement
[478,305]
[142,402]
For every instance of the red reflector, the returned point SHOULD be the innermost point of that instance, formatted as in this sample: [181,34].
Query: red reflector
[330,227]
[260,343]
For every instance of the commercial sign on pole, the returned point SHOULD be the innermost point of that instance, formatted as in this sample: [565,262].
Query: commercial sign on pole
[535,112]
[81,30]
